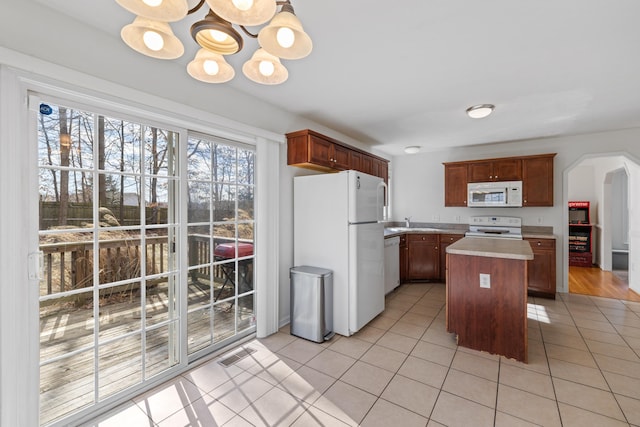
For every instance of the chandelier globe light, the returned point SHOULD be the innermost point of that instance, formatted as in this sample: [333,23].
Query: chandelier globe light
[210,67]
[244,12]
[265,68]
[152,38]
[217,35]
[283,38]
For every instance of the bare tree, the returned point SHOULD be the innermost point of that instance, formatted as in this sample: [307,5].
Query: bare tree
[65,146]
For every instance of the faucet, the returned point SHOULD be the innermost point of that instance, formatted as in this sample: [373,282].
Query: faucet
[407,221]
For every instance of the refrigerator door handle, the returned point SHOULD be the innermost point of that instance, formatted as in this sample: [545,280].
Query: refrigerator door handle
[385,196]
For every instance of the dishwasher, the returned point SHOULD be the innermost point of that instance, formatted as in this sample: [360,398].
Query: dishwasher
[391,263]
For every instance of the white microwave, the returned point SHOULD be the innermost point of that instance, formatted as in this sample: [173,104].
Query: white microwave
[494,194]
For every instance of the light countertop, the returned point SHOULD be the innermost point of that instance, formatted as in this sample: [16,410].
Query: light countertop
[396,231]
[491,247]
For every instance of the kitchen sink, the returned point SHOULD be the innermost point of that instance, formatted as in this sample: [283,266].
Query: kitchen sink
[416,229]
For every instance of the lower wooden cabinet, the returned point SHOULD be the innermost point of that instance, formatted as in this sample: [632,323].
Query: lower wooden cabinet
[542,268]
[403,258]
[446,240]
[423,257]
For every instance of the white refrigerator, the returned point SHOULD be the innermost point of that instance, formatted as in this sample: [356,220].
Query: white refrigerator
[337,226]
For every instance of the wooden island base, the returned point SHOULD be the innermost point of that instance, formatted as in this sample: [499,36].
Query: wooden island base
[493,318]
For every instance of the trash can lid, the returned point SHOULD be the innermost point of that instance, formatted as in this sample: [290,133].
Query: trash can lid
[307,269]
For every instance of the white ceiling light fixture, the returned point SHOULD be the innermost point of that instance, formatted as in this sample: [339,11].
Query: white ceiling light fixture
[284,37]
[480,111]
[412,149]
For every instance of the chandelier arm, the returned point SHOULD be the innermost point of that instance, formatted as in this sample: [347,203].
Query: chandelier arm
[196,7]
[247,32]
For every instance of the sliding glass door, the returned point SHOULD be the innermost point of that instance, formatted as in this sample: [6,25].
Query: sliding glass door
[113,286]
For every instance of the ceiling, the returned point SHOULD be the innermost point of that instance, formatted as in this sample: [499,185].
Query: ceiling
[393,76]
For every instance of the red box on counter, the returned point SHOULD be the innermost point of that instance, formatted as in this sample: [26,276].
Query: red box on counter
[227,250]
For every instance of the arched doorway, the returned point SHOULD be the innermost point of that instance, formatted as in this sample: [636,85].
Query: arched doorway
[607,180]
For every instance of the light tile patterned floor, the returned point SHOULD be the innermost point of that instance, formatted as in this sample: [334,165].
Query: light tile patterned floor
[403,369]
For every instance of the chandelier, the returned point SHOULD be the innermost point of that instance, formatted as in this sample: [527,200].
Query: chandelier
[283,38]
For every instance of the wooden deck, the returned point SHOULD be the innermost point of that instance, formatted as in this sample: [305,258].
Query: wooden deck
[597,282]
[67,385]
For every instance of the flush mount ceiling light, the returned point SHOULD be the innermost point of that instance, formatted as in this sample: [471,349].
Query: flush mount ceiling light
[480,111]
[413,149]
[283,38]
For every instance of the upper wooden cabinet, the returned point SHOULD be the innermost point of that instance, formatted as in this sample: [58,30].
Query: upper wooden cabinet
[312,150]
[455,184]
[320,151]
[537,180]
[535,172]
[509,169]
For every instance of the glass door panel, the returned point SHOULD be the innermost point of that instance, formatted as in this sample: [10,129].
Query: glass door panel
[108,299]
[221,243]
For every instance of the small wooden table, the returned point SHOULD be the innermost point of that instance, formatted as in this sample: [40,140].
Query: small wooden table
[227,251]
[486,294]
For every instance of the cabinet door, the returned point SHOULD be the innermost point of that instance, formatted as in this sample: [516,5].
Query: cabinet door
[541,270]
[383,171]
[320,151]
[340,157]
[537,181]
[379,169]
[480,171]
[423,261]
[367,164]
[507,170]
[455,184]
[404,251]
[355,161]
[446,240]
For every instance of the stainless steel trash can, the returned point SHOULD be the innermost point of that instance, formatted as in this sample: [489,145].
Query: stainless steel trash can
[311,303]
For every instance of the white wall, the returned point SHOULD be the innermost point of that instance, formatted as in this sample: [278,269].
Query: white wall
[620,199]
[581,185]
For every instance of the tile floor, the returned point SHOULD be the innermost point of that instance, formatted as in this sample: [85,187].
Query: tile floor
[403,369]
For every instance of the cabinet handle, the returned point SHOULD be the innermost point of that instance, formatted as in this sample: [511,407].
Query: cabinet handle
[539,243]
[490,176]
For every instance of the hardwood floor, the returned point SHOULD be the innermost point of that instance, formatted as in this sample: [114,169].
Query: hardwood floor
[597,282]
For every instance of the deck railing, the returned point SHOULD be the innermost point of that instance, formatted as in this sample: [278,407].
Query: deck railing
[69,265]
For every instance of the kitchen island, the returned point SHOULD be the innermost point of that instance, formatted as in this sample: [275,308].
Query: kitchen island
[486,295]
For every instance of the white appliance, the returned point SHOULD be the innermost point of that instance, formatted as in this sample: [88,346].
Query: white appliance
[336,226]
[391,263]
[495,194]
[501,227]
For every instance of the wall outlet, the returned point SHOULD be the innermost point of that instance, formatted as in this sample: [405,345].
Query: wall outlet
[435,218]
[457,218]
[540,220]
[485,280]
